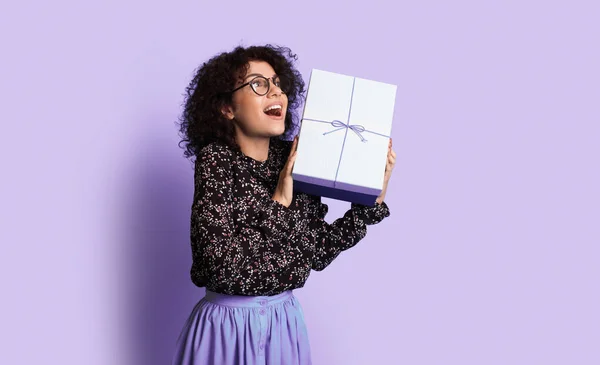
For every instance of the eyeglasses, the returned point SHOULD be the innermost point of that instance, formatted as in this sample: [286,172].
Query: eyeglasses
[261,85]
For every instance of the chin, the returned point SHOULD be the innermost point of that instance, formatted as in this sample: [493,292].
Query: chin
[278,129]
[273,127]
[278,132]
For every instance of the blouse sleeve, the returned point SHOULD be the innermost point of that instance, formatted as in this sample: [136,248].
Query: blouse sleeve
[221,255]
[344,232]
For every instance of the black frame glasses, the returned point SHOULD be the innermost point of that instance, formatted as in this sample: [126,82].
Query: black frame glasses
[273,80]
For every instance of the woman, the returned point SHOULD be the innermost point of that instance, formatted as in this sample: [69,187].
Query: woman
[254,240]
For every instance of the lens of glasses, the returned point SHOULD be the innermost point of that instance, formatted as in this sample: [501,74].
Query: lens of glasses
[260,84]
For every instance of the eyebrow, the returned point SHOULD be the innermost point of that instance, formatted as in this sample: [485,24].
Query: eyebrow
[255,74]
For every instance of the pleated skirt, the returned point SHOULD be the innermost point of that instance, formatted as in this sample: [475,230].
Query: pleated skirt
[230,329]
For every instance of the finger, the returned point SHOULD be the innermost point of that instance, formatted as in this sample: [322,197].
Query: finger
[393,154]
[291,161]
[388,173]
[294,148]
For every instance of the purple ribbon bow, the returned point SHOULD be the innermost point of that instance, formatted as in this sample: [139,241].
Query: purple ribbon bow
[356,128]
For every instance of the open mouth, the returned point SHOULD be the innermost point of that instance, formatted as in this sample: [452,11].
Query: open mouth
[274,111]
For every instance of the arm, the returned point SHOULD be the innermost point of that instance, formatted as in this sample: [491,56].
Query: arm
[224,257]
[343,233]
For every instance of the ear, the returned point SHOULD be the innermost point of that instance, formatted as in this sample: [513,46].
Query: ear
[227,112]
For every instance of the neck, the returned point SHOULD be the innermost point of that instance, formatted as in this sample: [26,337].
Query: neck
[253,147]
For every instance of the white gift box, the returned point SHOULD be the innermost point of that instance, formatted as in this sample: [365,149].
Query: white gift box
[344,137]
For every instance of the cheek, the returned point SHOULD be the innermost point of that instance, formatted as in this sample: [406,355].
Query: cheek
[258,106]
[286,101]
[248,105]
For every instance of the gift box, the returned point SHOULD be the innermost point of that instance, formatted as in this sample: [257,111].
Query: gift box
[344,137]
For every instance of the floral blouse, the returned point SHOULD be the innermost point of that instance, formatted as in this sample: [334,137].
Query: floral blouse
[245,243]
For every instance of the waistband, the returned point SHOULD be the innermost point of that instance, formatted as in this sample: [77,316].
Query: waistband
[247,301]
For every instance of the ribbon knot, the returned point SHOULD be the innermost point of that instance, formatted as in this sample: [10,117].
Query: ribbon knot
[356,128]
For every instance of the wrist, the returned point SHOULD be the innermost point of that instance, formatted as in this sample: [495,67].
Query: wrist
[281,201]
[380,198]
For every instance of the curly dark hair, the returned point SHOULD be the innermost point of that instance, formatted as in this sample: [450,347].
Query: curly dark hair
[202,121]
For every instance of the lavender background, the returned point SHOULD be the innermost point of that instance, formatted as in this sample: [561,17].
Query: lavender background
[491,255]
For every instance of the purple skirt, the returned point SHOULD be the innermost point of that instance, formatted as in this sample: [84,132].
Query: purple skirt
[231,329]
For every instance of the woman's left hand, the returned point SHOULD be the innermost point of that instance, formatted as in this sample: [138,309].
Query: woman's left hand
[389,167]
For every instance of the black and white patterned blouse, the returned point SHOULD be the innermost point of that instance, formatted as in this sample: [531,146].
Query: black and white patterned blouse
[245,243]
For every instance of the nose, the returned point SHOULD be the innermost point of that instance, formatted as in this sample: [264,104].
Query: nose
[274,90]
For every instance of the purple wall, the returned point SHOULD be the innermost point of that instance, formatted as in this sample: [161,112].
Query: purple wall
[490,255]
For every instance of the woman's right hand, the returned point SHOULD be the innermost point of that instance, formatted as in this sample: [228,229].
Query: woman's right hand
[285,187]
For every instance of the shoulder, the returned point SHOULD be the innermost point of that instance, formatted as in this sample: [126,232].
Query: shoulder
[215,155]
[215,152]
